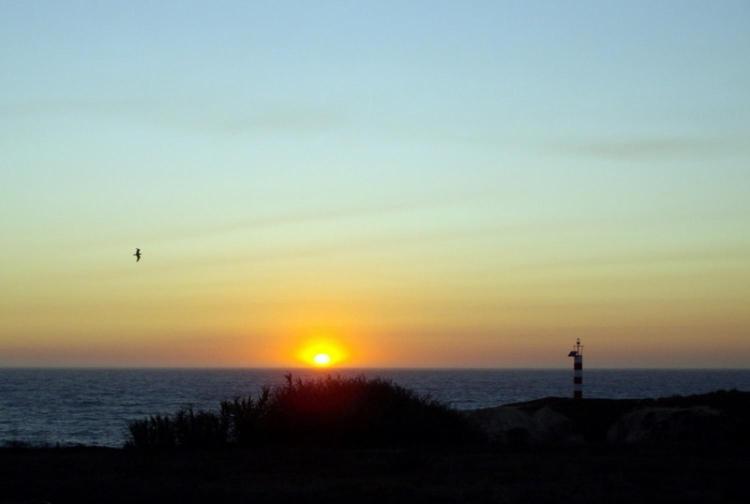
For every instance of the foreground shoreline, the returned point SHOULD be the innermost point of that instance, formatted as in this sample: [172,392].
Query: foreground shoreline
[310,474]
[679,449]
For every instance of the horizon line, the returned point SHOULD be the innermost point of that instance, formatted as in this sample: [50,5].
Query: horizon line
[362,368]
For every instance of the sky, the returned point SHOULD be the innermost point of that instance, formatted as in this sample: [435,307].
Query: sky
[397,184]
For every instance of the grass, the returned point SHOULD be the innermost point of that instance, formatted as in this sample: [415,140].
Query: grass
[330,411]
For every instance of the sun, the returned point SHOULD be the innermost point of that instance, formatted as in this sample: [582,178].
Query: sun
[321,360]
[322,353]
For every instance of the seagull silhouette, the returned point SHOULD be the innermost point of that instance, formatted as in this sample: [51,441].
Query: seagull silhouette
[137,255]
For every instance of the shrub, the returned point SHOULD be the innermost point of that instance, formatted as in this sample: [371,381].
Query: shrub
[243,417]
[328,412]
[155,431]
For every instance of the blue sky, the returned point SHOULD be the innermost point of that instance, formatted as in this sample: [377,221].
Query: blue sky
[486,134]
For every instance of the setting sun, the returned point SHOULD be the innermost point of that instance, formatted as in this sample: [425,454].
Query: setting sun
[322,360]
[322,352]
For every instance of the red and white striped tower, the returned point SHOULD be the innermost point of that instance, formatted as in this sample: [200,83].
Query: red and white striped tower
[577,354]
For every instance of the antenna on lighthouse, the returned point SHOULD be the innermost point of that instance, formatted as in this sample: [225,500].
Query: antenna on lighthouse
[577,354]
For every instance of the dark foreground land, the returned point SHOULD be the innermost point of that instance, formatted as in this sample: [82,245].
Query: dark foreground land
[369,441]
[89,475]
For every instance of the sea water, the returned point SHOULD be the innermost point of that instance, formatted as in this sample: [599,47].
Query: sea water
[93,406]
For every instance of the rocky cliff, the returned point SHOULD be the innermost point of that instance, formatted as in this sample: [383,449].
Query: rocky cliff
[719,419]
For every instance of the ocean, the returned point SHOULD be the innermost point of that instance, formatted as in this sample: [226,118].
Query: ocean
[93,406]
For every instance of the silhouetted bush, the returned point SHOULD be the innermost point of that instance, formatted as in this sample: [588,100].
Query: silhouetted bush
[243,417]
[155,431]
[329,412]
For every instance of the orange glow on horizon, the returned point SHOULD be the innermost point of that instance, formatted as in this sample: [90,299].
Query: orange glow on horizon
[322,353]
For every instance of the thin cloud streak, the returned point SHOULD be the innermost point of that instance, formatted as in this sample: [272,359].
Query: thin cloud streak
[319,216]
[739,254]
[654,148]
[364,245]
[269,118]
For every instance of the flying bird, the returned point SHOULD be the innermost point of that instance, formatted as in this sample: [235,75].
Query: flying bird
[137,255]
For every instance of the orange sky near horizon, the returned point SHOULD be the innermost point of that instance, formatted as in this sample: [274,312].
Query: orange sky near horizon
[514,303]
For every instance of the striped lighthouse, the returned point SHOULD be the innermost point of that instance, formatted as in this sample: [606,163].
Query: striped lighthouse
[577,354]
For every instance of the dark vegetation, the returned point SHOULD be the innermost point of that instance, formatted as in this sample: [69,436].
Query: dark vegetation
[335,440]
[354,412]
[352,475]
